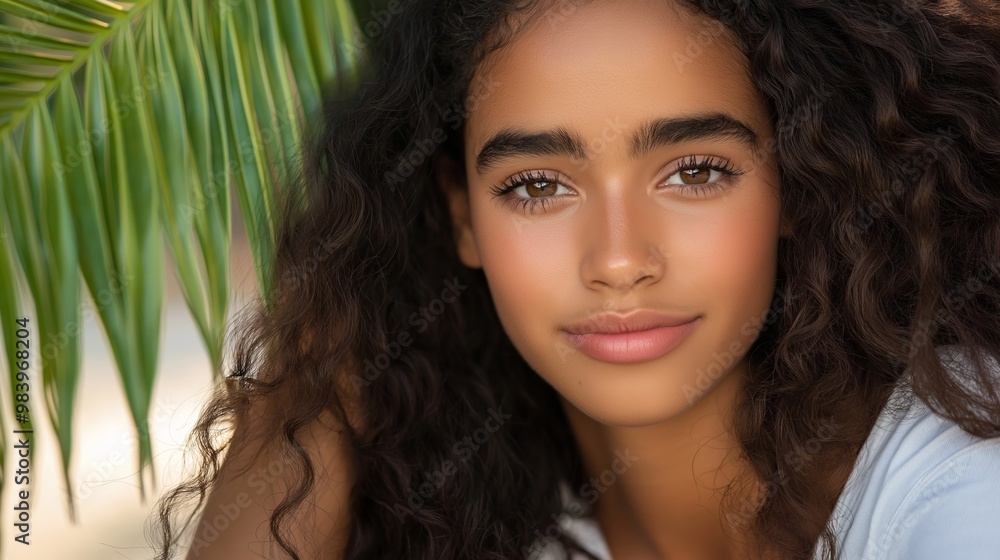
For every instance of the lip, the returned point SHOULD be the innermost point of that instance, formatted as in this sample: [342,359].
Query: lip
[637,336]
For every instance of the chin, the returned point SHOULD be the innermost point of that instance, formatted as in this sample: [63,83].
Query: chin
[626,400]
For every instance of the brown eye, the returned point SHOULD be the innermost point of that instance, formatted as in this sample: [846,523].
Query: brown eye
[528,189]
[700,175]
[697,175]
[533,190]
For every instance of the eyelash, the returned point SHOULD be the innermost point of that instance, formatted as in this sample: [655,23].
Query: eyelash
[504,191]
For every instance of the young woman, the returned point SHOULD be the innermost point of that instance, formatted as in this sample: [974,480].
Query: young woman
[636,279]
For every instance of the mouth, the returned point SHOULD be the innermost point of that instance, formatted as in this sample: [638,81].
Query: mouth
[624,343]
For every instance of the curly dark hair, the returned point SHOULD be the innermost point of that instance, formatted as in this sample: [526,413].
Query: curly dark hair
[887,130]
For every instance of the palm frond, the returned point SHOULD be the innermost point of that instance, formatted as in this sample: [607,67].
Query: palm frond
[121,126]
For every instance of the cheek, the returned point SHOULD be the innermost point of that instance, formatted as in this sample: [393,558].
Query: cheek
[736,259]
[527,265]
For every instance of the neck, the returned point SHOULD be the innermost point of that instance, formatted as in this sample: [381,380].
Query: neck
[659,487]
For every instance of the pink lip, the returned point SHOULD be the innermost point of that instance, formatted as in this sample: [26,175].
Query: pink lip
[633,346]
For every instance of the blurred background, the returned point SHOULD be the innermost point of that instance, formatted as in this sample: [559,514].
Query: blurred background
[111,519]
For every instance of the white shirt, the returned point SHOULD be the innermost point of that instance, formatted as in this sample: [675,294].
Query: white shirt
[921,489]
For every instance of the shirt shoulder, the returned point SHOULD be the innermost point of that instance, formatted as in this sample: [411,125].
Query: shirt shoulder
[954,511]
[584,529]
[920,478]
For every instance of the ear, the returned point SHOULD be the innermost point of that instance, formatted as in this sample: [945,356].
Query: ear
[450,178]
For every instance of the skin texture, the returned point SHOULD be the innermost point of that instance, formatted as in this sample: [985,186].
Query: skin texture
[618,233]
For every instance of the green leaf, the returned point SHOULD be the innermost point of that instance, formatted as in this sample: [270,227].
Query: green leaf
[16,59]
[59,305]
[105,7]
[217,199]
[93,233]
[317,24]
[22,209]
[342,34]
[253,181]
[168,111]
[187,95]
[98,121]
[18,36]
[138,171]
[201,207]
[54,14]
[294,36]
[24,75]
[103,123]
[283,119]
[20,54]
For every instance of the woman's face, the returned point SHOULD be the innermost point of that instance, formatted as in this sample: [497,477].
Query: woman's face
[624,119]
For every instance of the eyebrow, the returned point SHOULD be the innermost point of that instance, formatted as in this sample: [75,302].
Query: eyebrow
[517,142]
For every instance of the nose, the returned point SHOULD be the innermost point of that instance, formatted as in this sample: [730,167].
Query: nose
[625,246]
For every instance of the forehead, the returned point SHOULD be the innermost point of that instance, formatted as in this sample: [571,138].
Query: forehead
[579,65]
